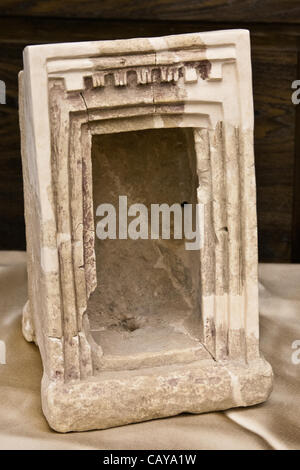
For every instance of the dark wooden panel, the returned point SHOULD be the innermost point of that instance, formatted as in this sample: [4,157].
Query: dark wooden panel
[273,73]
[12,232]
[267,11]
[296,207]
[274,54]
[24,31]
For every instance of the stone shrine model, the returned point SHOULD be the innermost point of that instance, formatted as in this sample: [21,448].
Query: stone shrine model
[131,330]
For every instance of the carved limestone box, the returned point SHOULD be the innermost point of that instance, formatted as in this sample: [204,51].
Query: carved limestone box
[137,327]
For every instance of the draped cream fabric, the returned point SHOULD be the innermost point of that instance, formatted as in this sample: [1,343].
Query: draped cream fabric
[273,425]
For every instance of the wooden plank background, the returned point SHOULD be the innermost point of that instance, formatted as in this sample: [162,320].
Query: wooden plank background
[257,11]
[275,58]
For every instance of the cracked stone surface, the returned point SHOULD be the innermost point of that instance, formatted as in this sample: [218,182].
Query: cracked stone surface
[147,293]
[135,330]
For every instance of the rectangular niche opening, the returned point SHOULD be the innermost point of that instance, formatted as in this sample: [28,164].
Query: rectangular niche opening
[145,310]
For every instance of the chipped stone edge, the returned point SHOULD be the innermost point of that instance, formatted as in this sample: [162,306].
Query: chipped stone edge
[146,396]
